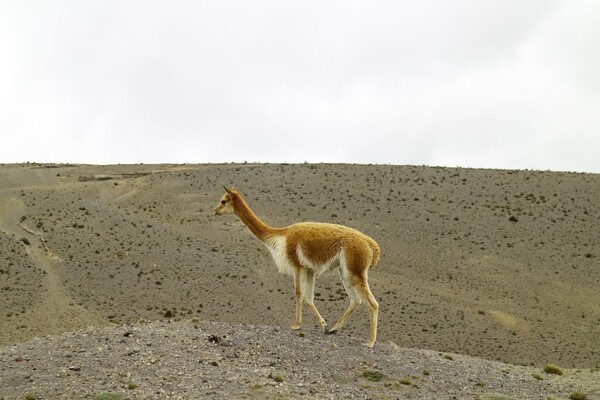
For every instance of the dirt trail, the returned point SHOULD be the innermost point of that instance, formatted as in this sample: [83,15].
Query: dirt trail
[57,311]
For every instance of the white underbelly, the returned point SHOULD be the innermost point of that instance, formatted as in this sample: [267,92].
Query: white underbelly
[278,248]
[318,267]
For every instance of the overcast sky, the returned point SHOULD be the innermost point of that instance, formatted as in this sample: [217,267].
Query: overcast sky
[471,83]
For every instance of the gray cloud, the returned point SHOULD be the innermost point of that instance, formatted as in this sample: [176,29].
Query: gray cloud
[474,83]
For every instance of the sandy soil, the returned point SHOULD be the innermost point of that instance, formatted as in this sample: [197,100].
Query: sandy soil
[502,265]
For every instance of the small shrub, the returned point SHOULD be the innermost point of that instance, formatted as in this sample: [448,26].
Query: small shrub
[538,377]
[131,386]
[278,378]
[373,376]
[553,369]
[578,396]
[108,396]
[448,357]
[405,381]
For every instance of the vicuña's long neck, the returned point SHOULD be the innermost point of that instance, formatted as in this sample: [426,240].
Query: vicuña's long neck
[261,230]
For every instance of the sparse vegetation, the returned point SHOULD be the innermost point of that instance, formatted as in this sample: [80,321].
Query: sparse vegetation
[578,396]
[553,369]
[494,396]
[373,376]
[108,396]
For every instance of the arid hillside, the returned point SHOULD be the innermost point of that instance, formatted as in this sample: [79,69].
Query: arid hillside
[503,265]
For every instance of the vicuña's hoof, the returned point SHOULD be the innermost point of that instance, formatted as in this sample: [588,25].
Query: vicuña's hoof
[330,331]
[295,327]
[369,344]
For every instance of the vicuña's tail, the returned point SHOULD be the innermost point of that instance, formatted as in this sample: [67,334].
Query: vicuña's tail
[376,253]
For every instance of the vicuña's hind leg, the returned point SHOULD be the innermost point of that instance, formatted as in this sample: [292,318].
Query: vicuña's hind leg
[365,293]
[357,287]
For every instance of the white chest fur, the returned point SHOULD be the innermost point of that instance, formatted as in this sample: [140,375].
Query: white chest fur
[278,248]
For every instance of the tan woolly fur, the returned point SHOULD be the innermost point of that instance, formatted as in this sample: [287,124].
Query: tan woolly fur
[307,249]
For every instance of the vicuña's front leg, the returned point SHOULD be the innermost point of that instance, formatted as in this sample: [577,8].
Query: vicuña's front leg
[308,284]
[298,296]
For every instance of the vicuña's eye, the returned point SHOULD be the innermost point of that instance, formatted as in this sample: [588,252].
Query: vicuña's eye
[223,202]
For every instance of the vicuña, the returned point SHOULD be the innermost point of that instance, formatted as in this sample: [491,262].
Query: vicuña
[307,249]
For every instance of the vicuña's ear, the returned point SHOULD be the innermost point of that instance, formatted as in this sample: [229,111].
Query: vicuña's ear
[227,190]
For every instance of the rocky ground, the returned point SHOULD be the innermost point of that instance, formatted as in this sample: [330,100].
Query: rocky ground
[193,359]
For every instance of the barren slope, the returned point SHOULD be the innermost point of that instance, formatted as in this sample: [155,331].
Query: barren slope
[497,264]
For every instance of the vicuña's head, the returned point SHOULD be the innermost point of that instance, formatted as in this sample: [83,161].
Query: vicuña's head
[225,206]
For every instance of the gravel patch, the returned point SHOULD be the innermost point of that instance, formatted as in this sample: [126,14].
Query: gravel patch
[201,359]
